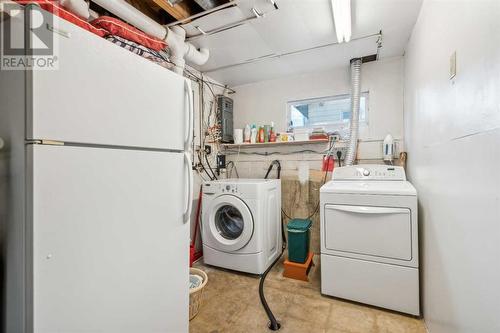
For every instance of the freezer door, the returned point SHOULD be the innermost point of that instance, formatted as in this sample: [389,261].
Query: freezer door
[110,248]
[104,94]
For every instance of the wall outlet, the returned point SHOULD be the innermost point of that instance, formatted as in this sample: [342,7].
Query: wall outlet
[453,65]
[343,152]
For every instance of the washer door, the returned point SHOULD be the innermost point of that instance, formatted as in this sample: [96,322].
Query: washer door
[230,223]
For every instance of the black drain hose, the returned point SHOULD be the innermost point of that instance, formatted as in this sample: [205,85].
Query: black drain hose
[274,325]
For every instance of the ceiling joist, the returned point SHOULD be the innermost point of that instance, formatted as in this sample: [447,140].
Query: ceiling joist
[179,11]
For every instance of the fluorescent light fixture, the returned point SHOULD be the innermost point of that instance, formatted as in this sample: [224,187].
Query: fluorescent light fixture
[342,19]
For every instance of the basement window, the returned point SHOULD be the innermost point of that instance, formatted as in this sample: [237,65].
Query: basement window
[332,113]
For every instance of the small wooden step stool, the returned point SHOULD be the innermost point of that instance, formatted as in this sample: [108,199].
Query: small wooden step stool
[297,271]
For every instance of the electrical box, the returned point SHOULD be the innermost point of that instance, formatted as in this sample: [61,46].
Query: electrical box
[225,118]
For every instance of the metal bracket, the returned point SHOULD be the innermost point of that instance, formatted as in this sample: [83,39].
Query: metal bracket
[257,13]
[200,30]
[45,142]
[58,31]
[274,4]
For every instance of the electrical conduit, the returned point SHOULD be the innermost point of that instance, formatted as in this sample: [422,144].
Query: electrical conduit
[355,97]
[181,50]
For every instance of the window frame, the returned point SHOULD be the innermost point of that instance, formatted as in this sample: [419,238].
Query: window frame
[289,104]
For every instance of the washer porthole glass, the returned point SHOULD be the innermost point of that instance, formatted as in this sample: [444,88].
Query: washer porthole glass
[229,222]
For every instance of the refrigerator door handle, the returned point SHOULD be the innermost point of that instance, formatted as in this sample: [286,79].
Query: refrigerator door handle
[190,115]
[189,190]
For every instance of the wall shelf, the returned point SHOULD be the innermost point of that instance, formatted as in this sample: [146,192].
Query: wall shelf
[272,144]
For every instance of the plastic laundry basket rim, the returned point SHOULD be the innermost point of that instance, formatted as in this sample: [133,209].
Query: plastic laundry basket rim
[203,275]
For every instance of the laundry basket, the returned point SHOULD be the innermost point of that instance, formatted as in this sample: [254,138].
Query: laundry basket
[196,294]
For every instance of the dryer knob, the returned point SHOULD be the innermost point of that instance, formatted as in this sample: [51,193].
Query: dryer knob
[366,172]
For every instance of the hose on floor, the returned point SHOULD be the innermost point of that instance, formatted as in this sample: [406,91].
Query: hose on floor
[274,325]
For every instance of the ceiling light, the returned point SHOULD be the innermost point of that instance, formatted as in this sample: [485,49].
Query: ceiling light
[342,18]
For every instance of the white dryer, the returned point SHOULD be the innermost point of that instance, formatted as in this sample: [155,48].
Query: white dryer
[369,237]
[241,223]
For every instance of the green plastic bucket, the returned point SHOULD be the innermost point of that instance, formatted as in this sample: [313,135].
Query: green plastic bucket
[298,240]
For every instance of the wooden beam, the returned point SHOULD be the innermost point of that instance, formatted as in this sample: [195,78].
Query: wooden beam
[149,8]
[179,11]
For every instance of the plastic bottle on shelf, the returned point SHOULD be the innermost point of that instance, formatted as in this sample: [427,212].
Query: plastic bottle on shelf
[261,135]
[272,133]
[253,134]
[267,132]
[246,134]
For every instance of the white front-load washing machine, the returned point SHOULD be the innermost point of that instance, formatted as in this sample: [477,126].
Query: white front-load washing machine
[241,223]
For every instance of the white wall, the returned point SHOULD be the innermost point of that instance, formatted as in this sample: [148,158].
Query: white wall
[452,130]
[266,101]
[208,99]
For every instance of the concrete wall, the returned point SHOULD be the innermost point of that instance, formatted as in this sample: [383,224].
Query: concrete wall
[208,99]
[452,130]
[266,101]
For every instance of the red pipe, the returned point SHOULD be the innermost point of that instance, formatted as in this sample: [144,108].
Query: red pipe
[193,241]
[193,256]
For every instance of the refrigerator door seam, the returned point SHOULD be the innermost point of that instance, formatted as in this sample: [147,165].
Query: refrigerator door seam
[189,194]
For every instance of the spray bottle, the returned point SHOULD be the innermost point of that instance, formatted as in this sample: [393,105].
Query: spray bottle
[253,134]
[388,148]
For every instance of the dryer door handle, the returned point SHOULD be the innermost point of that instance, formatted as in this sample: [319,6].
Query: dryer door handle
[368,209]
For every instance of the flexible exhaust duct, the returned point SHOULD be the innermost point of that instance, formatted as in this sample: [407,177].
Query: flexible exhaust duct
[355,97]
[175,37]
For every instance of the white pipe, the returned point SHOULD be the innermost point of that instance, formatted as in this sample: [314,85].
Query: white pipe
[93,14]
[198,57]
[175,41]
[77,7]
[132,15]
[175,37]
[355,96]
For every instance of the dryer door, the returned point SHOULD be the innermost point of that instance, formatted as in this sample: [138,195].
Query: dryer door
[230,223]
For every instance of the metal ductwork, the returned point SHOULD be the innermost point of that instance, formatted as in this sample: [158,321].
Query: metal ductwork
[209,4]
[355,97]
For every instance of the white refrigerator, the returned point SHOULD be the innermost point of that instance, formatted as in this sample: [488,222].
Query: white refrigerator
[96,191]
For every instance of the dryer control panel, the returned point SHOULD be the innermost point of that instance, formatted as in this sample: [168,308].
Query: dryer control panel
[369,172]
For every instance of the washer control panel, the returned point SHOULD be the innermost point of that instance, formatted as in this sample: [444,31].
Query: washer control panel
[369,172]
[221,188]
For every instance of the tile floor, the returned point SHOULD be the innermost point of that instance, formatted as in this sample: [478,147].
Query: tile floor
[231,304]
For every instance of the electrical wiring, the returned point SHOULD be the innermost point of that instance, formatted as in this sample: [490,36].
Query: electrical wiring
[186,70]
[273,163]
[210,131]
[230,171]
[329,153]
[210,167]
[203,167]
[209,134]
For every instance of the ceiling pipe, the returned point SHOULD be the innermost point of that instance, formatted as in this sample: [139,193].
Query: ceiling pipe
[175,37]
[233,3]
[78,7]
[182,51]
[209,4]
